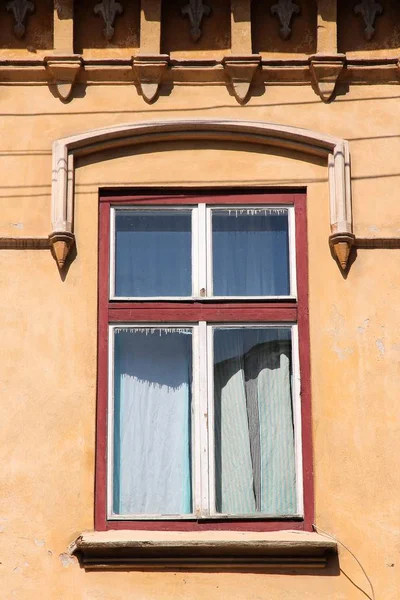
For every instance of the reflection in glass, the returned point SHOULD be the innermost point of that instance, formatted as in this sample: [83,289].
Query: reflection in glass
[153,253]
[152,421]
[254,431]
[250,252]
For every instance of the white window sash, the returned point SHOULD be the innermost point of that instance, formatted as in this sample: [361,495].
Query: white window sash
[202,434]
[202,264]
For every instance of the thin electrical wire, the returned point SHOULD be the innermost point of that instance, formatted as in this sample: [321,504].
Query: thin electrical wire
[319,530]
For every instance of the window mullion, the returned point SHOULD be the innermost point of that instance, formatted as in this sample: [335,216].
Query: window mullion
[202,251]
[297,420]
[292,253]
[202,418]
[208,246]
[211,429]
[111,290]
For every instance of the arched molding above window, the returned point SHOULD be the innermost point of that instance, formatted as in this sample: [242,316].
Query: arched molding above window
[334,150]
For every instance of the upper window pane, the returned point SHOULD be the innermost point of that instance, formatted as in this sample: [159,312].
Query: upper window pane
[250,252]
[153,256]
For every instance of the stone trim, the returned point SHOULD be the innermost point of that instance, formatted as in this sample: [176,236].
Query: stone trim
[207,550]
[206,71]
[335,150]
[24,243]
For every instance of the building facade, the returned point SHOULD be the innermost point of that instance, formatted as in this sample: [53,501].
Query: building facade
[180,179]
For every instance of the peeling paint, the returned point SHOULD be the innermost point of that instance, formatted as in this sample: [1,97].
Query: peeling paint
[364,326]
[342,352]
[381,346]
[66,559]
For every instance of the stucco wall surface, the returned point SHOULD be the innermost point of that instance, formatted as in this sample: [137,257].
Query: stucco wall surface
[49,335]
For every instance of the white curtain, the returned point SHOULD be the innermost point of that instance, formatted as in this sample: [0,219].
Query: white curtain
[152,414]
[254,453]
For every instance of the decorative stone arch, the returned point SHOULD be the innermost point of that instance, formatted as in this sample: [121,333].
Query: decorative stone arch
[334,150]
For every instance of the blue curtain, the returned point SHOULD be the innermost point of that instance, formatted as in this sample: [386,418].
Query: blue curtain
[254,432]
[250,252]
[153,253]
[152,421]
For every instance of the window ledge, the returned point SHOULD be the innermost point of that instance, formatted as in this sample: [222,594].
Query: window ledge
[203,550]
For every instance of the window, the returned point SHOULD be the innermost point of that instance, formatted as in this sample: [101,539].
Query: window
[203,335]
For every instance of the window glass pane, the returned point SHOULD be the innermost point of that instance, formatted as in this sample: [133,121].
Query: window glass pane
[254,431]
[153,254]
[250,252]
[152,421]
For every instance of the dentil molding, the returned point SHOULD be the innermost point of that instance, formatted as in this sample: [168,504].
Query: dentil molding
[334,150]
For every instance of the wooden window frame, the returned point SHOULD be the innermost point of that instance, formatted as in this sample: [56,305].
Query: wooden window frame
[293,311]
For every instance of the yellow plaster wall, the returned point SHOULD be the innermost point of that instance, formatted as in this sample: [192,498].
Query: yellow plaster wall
[49,329]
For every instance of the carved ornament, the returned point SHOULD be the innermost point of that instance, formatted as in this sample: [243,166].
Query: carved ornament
[20,10]
[241,71]
[150,70]
[285,10]
[341,245]
[108,9]
[325,71]
[63,72]
[368,9]
[61,243]
[196,10]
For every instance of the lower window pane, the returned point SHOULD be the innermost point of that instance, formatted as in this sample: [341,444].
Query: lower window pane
[152,421]
[254,429]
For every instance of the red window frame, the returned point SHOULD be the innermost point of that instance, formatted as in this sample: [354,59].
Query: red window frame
[212,311]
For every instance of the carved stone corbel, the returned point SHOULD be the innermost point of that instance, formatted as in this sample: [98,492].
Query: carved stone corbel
[285,11]
[20,10]
[61,243]
[150,70]
[241,71]
[325,71]
[63,71]
[369,10]
[341,245]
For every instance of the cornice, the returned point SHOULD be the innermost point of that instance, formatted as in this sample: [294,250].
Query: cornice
[199,71]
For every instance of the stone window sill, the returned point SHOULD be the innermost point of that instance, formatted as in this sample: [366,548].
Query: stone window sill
[203,550]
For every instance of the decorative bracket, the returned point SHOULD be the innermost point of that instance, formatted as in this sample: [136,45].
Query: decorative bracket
[368,9]
[285,10]
[196,10]
[20,9]
[63,71]
[108,9]
[61,243]
[325,71]
[341,245]
[241,71]
[150,70]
